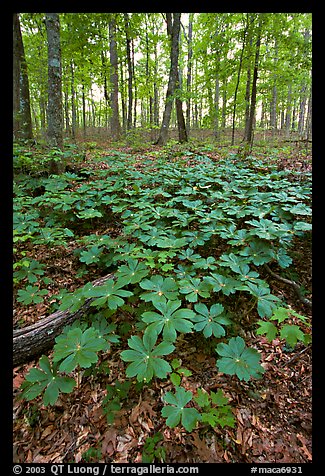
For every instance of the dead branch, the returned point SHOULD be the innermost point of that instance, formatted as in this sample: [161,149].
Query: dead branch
[295,286]
[34,340]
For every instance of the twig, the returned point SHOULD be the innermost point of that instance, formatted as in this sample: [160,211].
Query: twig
[295,286]
[295,356]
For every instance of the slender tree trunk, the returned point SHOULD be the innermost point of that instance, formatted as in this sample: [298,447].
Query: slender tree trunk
[135,87]
[288,111]
[274,99]
[115,119]
[237,84]
[22,120]
[54,107]
[66,113]
[83,109]
[73,104]
[189,73]
[216,108]
[254,85]
[224,105]
[173,27]
[130,75]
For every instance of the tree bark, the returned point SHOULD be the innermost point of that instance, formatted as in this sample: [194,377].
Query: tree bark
[254,85]
[54,106]
[36,339]
[129,63]
[237,84]
[189,73]
[115,119]
[22,120]
[173,28]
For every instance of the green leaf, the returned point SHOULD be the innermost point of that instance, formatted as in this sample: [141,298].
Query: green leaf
[202,398]
[159,288]
[267,328]
[292,333]
[193,288]
[239,360]
[144,358]
[169,320]
[132,273]
[46,378]
[91,256]
[110,294]
[266,302]
[210,321]
[176,412]
[76,347]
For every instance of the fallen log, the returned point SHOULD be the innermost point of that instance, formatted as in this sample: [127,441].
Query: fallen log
[36,339]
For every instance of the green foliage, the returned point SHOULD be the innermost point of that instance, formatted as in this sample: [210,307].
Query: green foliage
[190,240]
[159,289]
[292,333]
[78,348]
[216,410]
[109,294]
[169,321]
[237,359]
[145,357]
[177,412]
[46,379]
[31,294]
[151,452]
[113,401]
[210,321]
[178,372]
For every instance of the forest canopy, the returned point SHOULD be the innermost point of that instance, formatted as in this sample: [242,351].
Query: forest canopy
[116,66]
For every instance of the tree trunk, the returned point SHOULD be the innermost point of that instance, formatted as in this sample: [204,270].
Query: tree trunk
[237,84]
[288,111]
[34,340]
[130,76]
[115,119]
[274,100]
[73,104]
[22,120]
[54,106]
[173,26]
[189,73]
[254,86]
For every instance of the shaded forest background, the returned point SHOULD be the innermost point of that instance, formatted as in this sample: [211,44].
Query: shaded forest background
[231,74]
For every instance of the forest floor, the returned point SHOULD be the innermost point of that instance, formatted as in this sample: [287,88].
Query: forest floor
[273,415]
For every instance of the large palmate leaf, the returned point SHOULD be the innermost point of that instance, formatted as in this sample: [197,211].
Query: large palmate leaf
[159,288]
[169,320]
[132,273]
[77,347]
[177,411]
[145,357]
[46,378]
[266,302]
[210,321]
[193,288]
[109,294]
[237,359]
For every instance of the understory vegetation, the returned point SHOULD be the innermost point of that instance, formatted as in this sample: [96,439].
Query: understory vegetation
[190,240]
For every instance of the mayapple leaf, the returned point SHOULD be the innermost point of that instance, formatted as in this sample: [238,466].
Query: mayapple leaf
[237,359]
[177,411]
[210,321]
[76,347]
[145,357]
[170,320]
[46,379]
